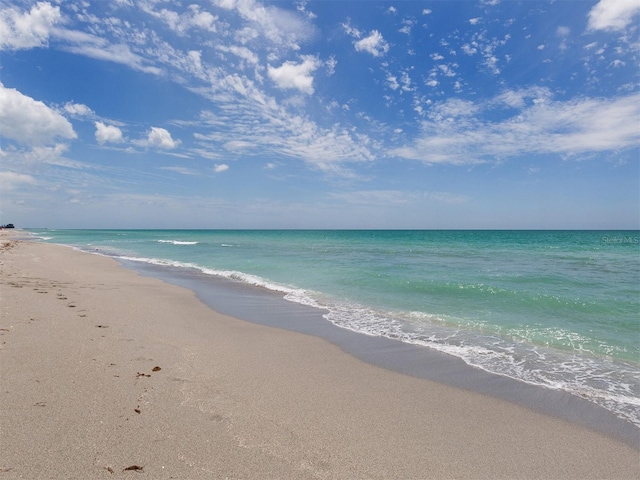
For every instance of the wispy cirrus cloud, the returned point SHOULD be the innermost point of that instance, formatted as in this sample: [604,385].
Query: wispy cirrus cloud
[281,28]
[250,116]
[458,133]
[12,180]
[396,198]
[100,48]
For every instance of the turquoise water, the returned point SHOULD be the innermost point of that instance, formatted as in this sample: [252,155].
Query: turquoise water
[554,308]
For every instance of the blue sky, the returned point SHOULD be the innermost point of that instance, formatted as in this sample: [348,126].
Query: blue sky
[320,114]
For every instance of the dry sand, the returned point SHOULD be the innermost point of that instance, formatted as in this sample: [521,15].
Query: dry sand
[102,369]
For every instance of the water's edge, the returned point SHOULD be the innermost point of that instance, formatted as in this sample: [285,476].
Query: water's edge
[264,307]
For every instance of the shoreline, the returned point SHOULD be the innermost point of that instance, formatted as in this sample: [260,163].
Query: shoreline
[81,336]
[265,307]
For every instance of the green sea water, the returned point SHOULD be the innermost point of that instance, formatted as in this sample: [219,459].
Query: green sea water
[555,308]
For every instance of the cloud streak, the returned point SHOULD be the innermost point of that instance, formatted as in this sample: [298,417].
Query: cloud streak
[457,132]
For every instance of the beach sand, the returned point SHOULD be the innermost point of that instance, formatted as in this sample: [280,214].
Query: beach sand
[102,370]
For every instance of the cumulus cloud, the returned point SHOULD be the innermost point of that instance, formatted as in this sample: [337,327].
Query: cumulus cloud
[78,109]
[373,44]
[29,121]
[297,76]
[107,133]
[613,14]
[29,29]
[221,168]
[161,138]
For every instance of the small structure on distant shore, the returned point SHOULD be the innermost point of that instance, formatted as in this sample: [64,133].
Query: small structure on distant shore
[8,225]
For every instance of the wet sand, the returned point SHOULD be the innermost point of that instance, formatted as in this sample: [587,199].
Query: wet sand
[102,369]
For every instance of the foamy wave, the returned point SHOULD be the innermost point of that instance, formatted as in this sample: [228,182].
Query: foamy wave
[583,376]
[177,242]
[229,274]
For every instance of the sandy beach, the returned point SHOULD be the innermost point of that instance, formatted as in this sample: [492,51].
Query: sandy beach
[109,374]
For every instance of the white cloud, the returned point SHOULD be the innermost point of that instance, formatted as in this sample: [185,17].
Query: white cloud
[392,82]
[456,132]
[468,49]
[302,8]
[242,52]
[474,21]
[195,59]
[29,121]
[373,44]
[352,31]
[448,70]
[296,76]
[182,23]
[613,14]
[78,109]
[180,170]
[331,65]
[426,11]
[27,30]
[161,138]
[246,116]
[92,46]
[221,168]
[10,180]
[107,133]
[281,27]
[259,124]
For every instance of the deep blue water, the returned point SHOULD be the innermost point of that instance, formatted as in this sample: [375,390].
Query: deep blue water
[555,308]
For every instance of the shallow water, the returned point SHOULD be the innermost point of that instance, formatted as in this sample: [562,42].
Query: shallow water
[559,309]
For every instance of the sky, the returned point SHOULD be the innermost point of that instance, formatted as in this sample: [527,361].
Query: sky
[490,114]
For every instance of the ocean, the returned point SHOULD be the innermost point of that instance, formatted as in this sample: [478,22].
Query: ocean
[559,309]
